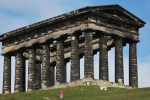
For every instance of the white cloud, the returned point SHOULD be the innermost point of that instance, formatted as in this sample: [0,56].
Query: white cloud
[15,14]
[10,23]
[143,72]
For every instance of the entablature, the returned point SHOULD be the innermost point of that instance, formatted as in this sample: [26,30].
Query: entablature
[71,25]
[36,38]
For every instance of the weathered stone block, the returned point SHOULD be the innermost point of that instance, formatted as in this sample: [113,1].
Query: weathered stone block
[119,60]
[7,75]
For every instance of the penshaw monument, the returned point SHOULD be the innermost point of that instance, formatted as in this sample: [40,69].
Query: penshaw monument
[70,36]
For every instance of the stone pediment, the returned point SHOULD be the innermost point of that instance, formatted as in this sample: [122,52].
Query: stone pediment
[117,11]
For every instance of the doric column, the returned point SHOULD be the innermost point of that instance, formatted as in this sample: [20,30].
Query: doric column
[7,74]
[32,70]
[65,70]
[75,61]
[88,56]
[38,76]
[45,66]
[119,78]
[24,74]
[51,75]
[133,77]
[60,63]
[103,57]
[19,73]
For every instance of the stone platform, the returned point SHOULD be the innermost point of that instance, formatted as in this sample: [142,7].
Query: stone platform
[89,81]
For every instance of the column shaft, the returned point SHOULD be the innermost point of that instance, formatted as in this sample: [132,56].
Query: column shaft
[7,75]
[51,75]
[103,57]
[38,76]
[24,75]
[65,71]
[119,78]
[75,61]
[19,73]
[60,63]
[31,70]
[88,56]
[46,67]
[133,77]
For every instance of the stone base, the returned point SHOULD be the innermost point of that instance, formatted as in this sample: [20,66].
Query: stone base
[90,81]
[7,92]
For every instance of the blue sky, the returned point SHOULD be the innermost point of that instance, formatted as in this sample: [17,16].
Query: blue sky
[18,13]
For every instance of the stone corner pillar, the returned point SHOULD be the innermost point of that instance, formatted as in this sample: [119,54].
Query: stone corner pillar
[88,55]
[133,76]
[60,62]
[75,60]
[52,75]
[119,77]
[19,73]
[32,70]
[7,74]
[38,76]
[45,66]
[103,57]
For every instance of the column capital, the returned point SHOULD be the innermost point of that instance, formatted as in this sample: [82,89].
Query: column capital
[61,38]
[77,33]
[100,33]
[133,41]
[117,38]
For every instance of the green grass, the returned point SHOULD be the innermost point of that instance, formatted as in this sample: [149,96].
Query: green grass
[82,93]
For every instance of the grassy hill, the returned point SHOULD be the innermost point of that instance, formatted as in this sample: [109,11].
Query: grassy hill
[82,93]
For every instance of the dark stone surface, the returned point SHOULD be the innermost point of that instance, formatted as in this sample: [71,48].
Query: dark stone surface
[31,70]
[7,75]
[133,76]
[88,56]
[38,76]
[103,59]
[24,74]
[45,66]
[65,71]
[19,73]
[51,75]
[75,61]
[119,78]
[60,63]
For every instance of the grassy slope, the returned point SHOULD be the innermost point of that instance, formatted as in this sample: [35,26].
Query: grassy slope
[84,93]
